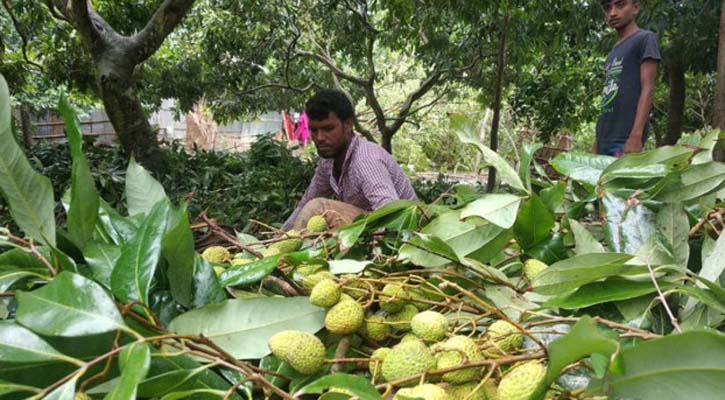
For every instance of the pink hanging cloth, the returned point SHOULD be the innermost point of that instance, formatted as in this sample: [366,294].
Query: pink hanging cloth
[302,133]
[289,126]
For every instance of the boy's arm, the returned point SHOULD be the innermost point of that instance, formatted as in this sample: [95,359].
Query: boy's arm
[647,76]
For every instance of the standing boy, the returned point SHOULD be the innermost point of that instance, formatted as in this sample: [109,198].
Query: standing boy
[630,72]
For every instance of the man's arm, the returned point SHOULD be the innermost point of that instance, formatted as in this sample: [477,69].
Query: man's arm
[647,76]
[319,187]
[377,185]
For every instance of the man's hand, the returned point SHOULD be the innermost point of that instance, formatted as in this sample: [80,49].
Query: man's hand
[633,145]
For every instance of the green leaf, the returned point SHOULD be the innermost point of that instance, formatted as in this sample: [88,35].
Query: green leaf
[626,226]
[70,305]
[243,327]
[427,251]
[695,182]
[102,258]
[66,391]
[499,209]
[673,224]
[29,195]
[9,387]
[650,164]
[466,131]
[583,340]
[248,274]
[472,237]
[690,365]
[577,271]
[206,286]
[134,271]
[21,345]
[120,229]
[527,155]
[195,393]
[180,373]
[10,276]
[143,192]
[534,223]
[553,197]
[338,267]
[550,250]
[355,384]
[713,265]
[177,247]
[585,241]
[21,259]
[581,167]
[349,235]
[83,212]
[603,292]
[134,363]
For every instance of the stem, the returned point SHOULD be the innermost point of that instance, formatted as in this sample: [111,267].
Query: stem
[662,297]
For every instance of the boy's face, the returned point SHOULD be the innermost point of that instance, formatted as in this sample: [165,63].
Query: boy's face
[620,13]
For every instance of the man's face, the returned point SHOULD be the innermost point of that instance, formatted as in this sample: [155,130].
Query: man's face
[620,13]
[330,135]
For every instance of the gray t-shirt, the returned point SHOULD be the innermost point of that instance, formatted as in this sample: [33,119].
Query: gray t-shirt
[622,86]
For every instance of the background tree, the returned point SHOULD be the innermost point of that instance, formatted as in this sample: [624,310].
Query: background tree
[719,108]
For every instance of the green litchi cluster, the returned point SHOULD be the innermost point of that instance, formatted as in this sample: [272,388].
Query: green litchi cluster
[393,297]
[430,325]
[505,336]
[521,381]
[303,351]
[473,391]
[400,320]
[426,391]
[459,350]
[376,365]
[533,267]
[344,318]
[407,359]
[376,329]
[317,224]
[325,294]
[216,255]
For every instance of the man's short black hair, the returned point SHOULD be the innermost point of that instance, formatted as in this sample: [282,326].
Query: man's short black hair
[319,106]
[605,2]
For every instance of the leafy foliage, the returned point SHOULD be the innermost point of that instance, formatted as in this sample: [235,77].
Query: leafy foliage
[114,301]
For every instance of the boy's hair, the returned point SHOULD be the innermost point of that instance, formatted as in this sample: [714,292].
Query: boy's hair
[319,106]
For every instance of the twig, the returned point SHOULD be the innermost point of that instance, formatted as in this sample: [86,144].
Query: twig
[226,236]
[662,297]
[342,347]
[286,286]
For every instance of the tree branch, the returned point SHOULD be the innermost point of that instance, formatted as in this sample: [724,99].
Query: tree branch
[23,37]
[161,24]
[424,88]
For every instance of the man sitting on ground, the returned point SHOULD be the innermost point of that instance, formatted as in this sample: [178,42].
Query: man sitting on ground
[361,175]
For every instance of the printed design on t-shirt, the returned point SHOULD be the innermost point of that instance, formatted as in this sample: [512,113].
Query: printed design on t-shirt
[613,74]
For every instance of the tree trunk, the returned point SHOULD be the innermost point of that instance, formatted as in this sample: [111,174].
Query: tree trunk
[387,140]
[26,126]
[501,67]
[719,113]
[676,113]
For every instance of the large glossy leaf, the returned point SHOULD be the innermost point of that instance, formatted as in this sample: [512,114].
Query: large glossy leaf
[714,265]
[21,259]
[83,211]
[180,373]
[527,156]
[673,224]
[29,195]
[466,131]
[584,240]
[651,164]
[553,197]
[534,223]
[603,292]
[577,271]
[243,327]
[696,181]
[338,267]
[550,250]
[119,228]
[70,305]
[9,387]
[66,391]
[206,286]
[463,238]
[102,258]
[626,226]
[354,384]
[134,362]
[581,167]
[11,276]
[249,273]
[142,190]
[499,209]
[583,340]
[134,271]
[177,247]
[427,251]
[349,235]
[21,345]
[690,365]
